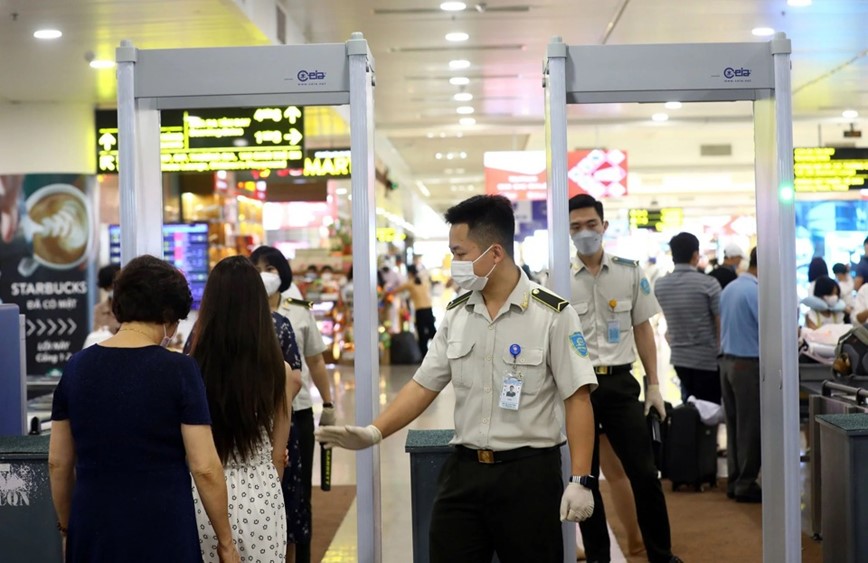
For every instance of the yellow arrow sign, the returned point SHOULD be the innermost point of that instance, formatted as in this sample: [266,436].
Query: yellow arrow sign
[293,114]
[294,136]
[107,140]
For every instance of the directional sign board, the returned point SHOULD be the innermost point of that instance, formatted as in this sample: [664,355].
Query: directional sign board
[830,169]
[208,140]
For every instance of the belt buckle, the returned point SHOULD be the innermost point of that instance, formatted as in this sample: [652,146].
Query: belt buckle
[601,370]
[485,456]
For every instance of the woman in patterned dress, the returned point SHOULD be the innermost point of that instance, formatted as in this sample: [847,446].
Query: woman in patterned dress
[250,390]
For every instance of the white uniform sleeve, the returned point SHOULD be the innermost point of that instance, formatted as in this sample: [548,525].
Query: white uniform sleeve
[644,303]
[568,354]
[434,373]
[313,343]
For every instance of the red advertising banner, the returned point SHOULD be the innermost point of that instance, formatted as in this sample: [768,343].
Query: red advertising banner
[521,175]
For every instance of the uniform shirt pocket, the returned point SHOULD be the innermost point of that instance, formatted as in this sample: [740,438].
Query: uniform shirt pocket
[460,363]
[622,312]
[530,364]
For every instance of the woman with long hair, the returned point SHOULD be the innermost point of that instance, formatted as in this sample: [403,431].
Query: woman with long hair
[250,391]
[419,288]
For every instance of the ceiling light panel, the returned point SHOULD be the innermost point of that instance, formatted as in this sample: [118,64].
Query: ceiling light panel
[457,36]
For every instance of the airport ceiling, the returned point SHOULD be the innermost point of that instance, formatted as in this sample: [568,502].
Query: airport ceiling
[416,106]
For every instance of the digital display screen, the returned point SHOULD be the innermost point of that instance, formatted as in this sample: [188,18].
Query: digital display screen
[207,140]
[829,169]
[656,219]
[185,246]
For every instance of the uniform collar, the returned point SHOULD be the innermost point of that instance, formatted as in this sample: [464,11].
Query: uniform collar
[683,268]
[519,297]
[578,265]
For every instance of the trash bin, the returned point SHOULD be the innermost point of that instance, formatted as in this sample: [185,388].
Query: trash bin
[844,449]
[428,451]
[28,524]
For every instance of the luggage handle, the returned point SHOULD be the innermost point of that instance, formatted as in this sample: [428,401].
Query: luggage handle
[829,386]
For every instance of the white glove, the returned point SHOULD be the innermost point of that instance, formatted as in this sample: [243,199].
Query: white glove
[653,398]
[348,437]
[577,504]
[328,417]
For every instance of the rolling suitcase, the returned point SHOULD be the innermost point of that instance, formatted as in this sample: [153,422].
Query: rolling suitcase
[405,349]
[691,449]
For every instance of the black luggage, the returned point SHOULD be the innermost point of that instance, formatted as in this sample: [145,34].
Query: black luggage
[691,449]
[405,349]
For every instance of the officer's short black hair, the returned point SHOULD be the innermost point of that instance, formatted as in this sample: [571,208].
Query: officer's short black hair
[583,201]
[753,262]
[274,257]
[106,276]
[683,246]
[489,219]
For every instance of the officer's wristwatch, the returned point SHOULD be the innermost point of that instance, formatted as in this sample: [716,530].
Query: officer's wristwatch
[587,481]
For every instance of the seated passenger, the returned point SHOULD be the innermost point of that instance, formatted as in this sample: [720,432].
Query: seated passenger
[825,304]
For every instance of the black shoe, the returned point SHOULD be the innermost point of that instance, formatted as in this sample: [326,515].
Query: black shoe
[675,559]
[753,495]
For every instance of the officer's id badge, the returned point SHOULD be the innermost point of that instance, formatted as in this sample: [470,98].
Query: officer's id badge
[645,286]
[614,332]
[510,395]
[577,340]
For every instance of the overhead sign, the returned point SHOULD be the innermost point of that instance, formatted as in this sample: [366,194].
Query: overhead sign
[522,175]
[829,169]
[208,140]
[657,219]
[327,163]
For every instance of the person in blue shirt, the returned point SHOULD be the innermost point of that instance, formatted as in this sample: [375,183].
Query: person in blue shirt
[740,383]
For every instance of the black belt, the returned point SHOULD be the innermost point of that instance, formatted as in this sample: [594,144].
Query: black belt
[613,370]
[489,457]
[731,357]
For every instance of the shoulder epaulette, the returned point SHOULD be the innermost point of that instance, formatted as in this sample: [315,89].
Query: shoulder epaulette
[550,300]
[625,261]
[460,300]
[298,302]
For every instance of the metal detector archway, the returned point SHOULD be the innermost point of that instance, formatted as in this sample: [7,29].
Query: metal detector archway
[709,72]
[153,80]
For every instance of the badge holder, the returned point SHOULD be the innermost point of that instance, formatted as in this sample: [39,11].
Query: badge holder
[614,327]
[510,394]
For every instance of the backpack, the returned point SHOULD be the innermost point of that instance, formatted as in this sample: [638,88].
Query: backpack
[851,354]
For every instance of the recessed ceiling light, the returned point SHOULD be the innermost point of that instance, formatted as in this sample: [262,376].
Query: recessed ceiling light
[457,36]
[430,135]
[672,105]
[450,156]
[659,117]
[799,3]
[47,34]
[462,154]
[464,110]
[462,97]
[763,31]
[102,63]
[850,114]
[442,135]
[453,6]
[467,121]
[459,81]
[439,156]
[459,64]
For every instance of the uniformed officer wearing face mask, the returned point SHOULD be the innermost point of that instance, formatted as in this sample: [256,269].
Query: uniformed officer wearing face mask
[518,362]
[615,303]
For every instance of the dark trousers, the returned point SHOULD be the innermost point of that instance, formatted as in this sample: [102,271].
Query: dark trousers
[619,414]
[425,328]
[303,420]
[702,384]
[740,383]
[510,508]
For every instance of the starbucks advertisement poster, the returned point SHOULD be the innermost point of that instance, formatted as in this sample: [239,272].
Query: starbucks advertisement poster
[47,242]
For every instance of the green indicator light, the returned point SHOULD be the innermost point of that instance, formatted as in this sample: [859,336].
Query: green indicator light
[785,193]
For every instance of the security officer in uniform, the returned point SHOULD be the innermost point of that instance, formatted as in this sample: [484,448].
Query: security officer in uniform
[501,490]
[615,303]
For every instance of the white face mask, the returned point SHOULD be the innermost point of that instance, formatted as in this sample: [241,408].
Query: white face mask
[831,300]
[464,276]
[327,276]
[164,343]
[587,242]
[271,281]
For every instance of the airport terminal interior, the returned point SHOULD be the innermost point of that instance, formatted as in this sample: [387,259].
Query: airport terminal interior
[459,110]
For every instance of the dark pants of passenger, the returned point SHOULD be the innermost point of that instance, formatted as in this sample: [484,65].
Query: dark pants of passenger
[740,383]
[304,427]
[702,384]
[509,508]
[425,328]
[620,415]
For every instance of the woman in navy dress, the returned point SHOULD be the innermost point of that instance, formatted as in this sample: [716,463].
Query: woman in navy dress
[130,425]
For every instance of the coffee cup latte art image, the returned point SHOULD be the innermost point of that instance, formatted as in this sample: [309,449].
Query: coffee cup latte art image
[59,222]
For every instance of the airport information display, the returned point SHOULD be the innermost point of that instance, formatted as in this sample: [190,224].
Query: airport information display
[657,219]
[208,140]
[185,246]
[830,169]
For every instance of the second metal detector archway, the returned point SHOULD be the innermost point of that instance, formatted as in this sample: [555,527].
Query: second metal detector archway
[710,72]
[298,75]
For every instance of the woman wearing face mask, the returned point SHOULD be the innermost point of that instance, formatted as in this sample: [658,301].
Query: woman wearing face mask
[130,425]
[826,306]
[846,283]
[277,277]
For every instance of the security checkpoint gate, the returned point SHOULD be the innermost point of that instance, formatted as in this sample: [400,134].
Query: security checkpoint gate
[283,75]
[708,72]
